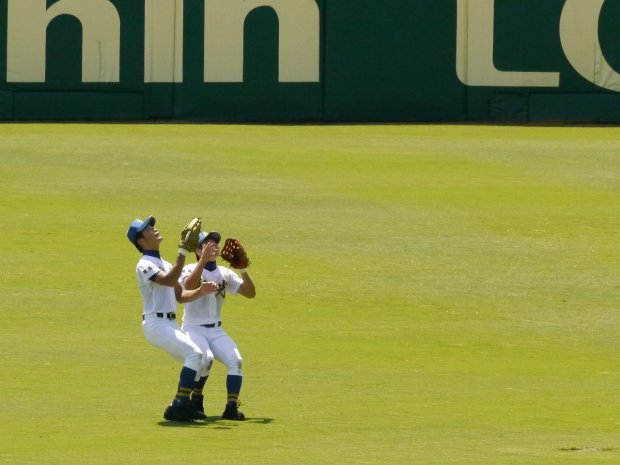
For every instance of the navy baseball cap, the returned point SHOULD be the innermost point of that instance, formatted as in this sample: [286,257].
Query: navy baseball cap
[213,236]
[137,226]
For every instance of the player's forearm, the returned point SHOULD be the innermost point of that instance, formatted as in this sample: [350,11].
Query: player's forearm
[193,280]
[186,296]
[247,289]
[195,277]
[171,278]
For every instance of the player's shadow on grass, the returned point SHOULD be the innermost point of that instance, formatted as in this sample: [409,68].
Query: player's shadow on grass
[222,422]
[261,421]
[183,424]
[214,421]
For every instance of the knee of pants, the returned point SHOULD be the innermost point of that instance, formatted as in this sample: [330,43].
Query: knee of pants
[207,362]
[235,364]
[193,361]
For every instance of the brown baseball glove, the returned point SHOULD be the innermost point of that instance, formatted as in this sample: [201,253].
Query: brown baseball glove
[234,253]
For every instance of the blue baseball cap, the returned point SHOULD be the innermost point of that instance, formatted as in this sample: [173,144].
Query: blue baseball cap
[137,226]
[213,236]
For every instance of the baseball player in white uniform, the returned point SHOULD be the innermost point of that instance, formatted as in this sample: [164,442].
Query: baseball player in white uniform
[202,319]
[158,282]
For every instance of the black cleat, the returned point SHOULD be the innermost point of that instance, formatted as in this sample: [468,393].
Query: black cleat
[183,413]
[191,411]
[198,415]
[169,413]
[232,413]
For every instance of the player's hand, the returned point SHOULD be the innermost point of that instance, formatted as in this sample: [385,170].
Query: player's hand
[207,287]
[210,251]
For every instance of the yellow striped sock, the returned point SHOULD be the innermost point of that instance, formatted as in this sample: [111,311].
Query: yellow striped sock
[183,394]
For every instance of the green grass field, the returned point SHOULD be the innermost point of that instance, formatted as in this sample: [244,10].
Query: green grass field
[426,294]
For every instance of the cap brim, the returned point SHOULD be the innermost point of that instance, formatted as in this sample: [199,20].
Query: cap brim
[213,236]
[150,221]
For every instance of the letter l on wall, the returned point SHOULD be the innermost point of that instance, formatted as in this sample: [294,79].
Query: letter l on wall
[474,51]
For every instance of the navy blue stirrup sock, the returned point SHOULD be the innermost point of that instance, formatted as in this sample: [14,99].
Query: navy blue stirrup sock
[199,386]
[186,383]
[233,386]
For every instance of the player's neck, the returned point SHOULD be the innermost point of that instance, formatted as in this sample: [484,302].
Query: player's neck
[152,253]
[210,266]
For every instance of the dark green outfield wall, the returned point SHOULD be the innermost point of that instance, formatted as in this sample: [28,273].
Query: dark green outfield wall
[311,60]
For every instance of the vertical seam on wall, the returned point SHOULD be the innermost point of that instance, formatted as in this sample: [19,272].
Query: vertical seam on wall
[174,61]
[323,51]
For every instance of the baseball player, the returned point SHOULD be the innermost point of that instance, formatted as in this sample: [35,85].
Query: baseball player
[158,282]
[202,319]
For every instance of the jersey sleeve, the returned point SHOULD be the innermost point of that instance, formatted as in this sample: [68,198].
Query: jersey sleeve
[233,280]
[187,270]
[146,271]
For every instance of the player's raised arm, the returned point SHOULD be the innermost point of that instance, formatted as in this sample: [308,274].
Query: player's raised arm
[171,278]
[247,289]
[204,252]
[189,241]
[234,253]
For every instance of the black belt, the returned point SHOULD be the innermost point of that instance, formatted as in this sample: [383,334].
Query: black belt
[213,325]
[170,316]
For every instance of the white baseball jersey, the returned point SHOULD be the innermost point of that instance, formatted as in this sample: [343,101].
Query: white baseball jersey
[157,299]
[208,308]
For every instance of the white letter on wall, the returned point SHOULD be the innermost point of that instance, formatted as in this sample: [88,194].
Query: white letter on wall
[163,41]
[27,38]
[299,43]
[581,44]
[474,51]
